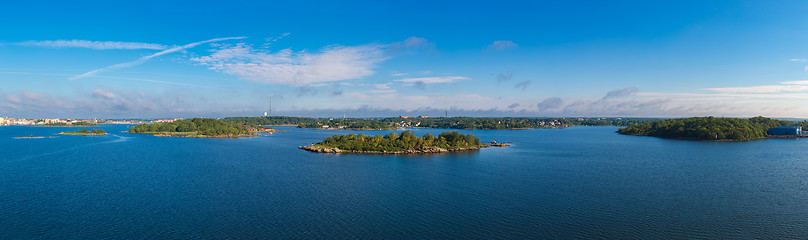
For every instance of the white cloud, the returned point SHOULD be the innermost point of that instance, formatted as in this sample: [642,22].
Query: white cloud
[430,80]
[334,63]
[798,60]
[98,45]
[502,45]
[100,93]
[412,43]
[789,86]
[382,86]
[147,58]
[275,39]
[330,64]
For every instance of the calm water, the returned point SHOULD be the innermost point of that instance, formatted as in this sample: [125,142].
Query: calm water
[579,182]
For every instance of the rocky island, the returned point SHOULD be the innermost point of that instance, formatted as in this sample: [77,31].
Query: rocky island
[200,128]
[85,132]
[404,143]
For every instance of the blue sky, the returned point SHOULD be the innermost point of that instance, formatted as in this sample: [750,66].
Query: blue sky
[374,59]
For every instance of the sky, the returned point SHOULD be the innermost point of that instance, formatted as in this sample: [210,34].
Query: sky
[159,59]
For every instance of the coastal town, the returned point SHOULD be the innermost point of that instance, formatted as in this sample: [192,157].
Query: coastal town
[6,121]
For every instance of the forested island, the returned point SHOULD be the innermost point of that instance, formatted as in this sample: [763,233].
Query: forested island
[393,143]
[200,127]
[709,128]
[435,122]
[85,132]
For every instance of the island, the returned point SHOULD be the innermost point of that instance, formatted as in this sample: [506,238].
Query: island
[200,128]
[85,132]
[709,128]
[393,143]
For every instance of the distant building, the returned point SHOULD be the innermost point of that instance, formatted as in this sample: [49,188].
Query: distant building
[404,116]
[423,116]
[784,130]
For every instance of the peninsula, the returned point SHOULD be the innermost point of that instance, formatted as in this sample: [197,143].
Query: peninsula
[709,128]
[200,128]
[85,132]
[404,143]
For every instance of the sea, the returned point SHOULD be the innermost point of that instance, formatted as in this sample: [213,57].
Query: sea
[579,182]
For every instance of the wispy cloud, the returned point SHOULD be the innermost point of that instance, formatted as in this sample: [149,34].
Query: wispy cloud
[523,84]
[431,80]
[798,60]
[98,45]
[275,39]
[789,86]
[330,64]
[502,45]
[502,77]
[147,58]
[623,92]
[382,85]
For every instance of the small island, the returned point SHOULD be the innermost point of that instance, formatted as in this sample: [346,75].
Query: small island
[709,128]
[85,132]
[201,128]
[404,143]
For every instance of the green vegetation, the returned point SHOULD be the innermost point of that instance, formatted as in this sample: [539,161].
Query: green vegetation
[94,132]
[197,127]
[272,121]
[400,142]
[709,128]
[74,124]
[439,122]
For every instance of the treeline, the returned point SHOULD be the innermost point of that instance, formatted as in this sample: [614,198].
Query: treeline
[439,122]
[202,126]
[94,131]
[399,142]
[74,124]
[709,128]
[84,131]
[276,121]
[353,123]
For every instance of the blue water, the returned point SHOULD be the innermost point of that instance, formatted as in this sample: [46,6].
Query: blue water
[582,182]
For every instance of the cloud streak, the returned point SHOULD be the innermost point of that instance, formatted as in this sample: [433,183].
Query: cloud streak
[502,45]
[97,45]
[789,86]
[147,58]
[431,80]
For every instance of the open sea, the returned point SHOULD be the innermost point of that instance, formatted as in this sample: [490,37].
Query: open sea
[580,182]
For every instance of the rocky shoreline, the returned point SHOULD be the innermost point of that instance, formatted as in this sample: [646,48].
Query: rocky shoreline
[425,150]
